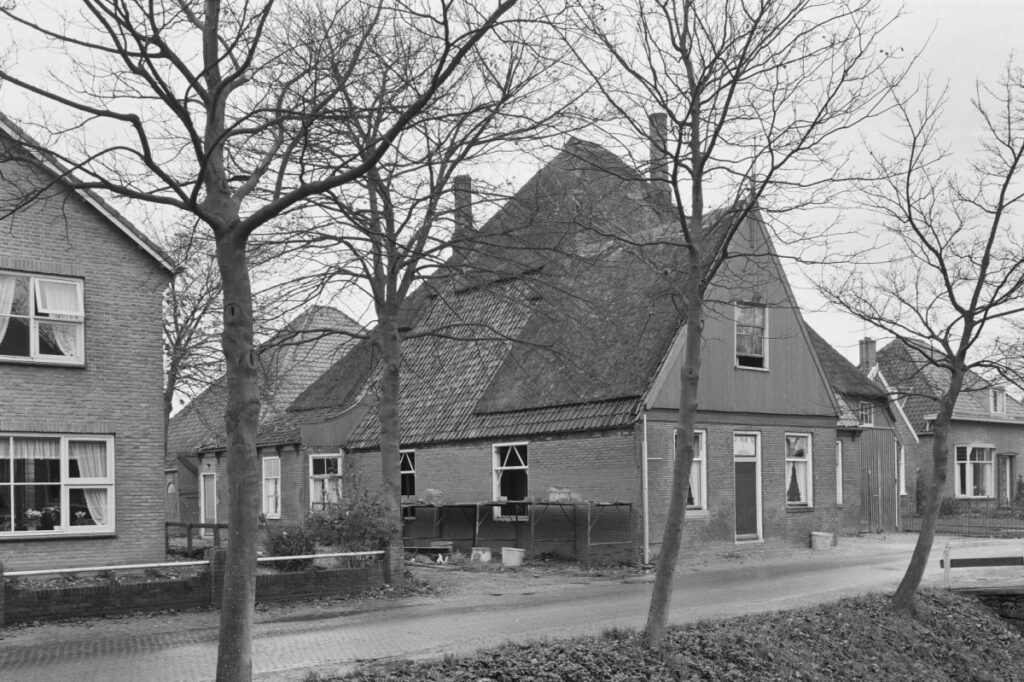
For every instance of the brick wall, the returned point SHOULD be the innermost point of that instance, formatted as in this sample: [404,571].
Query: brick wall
[117,392]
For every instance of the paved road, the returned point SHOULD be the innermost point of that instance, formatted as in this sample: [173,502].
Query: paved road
[286,647]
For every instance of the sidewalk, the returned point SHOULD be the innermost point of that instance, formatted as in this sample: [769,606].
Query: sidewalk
[481,609]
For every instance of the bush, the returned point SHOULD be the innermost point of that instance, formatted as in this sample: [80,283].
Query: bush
[291,541]
[358,524]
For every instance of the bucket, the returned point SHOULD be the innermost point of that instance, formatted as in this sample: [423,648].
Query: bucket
[481,555]
[821,540]
[512,556]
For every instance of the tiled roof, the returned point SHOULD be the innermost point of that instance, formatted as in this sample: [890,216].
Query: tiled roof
[844,378]
[289,362]
[920,384]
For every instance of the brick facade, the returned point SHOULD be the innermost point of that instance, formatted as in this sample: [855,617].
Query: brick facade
[118,390]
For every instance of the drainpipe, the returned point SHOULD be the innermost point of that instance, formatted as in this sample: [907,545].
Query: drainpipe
[645,496]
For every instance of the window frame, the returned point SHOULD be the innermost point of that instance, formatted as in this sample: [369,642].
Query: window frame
[263,485]
[997,400]
[499,514]
[865,407]
[808,501]
[404,473]
[34,319]
[66,484]
[901,463]
[969,483]
[314,478]
[700,461]
[737,306]
[839,473]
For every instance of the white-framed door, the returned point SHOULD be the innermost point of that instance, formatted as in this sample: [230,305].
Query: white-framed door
[746,454]
[207,499]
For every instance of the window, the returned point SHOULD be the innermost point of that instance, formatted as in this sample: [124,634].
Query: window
[56,484]
[272,487]
[798,469]
[974,470]
[750,335]
[511,480]
[839,473]
[866,413]
[408,473]
[997,398]
[324,480]
[41,319]
[696,496]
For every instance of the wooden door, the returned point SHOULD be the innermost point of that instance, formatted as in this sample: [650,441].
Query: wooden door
[880,494]
[746,467]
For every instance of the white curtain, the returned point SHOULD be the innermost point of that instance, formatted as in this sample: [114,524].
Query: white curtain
[36,448]
[60,301]
[92,463]
[6,301]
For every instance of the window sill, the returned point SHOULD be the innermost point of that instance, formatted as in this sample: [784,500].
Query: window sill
[18,536]
[697,514]
[974,497]
[750,541]
[799,510]
[8,359]
[752,369]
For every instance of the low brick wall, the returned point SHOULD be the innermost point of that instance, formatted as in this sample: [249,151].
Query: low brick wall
[1007,602]
[21,603]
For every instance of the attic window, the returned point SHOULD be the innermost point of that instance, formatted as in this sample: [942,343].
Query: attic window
[750,335]
[866,414]
[997,399]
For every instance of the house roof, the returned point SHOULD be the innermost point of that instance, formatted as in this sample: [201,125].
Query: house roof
[550,325]
[292,359]
[842,375]
[51,164]
[921,383]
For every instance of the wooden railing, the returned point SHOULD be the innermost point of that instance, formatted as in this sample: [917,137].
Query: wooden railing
[189,528]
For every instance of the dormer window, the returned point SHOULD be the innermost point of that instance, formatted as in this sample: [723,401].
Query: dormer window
[866,413]
[750,335]
[997,400]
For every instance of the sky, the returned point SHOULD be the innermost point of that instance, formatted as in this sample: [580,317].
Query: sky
[960,41]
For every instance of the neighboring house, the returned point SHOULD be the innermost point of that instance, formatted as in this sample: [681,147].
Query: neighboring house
[81,417]
[583,403]
[195,468]
[866,433]
[986,436]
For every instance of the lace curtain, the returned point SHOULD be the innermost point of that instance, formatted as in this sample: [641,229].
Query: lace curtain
[92,463]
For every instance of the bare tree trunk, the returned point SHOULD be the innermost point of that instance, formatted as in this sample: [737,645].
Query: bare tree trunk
[657,616]
[389,415]
[241,415]
[905,598]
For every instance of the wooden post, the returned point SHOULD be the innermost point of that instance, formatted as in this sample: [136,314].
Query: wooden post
[946,567]
[3,597]
[167,540]
[218,558]
[188,534]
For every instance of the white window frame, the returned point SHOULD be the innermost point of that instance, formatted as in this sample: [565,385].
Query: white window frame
[865,408]
[808,488]
[266,494]
[316,479]
[997,400]
[67,524]
[756,457]
[410,457]
[966,479]
[34,319]
[901,454]
[839,473]
[497,471]
[700,465]
[736,334]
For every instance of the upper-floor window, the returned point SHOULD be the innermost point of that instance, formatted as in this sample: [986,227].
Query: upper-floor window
[997,400]
[42,319]
[866,413]
[750,335]
[324,480]
[53,484]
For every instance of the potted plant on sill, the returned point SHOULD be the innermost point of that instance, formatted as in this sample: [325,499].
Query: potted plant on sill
[32,517]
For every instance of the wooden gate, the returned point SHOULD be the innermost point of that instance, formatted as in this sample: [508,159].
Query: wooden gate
[879,490]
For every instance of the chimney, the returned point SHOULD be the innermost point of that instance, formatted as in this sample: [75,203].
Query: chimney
[659,160]
[867,354]
[462,187]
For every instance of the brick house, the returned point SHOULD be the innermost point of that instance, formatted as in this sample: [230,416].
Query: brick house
[986,433]
[582,405]
[196,470]
[81,422]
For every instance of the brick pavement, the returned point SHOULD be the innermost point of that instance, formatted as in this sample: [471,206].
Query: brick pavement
[287,644]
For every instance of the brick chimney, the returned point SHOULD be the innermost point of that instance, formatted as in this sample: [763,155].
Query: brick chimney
[867,354]
[659,174]
[462,188]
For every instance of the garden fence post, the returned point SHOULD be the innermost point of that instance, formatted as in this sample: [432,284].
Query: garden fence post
[945,566]
[217,556]
[3,596]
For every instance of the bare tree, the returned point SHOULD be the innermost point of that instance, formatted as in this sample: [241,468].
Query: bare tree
[956,261]
[748,100]
[410,215]
[192,106]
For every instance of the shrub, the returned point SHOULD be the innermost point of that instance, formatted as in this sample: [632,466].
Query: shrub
[291,541]
[358,524]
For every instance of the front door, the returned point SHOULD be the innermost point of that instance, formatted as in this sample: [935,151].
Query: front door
[208,499]
[1004,472]
[880,493]
[746,450]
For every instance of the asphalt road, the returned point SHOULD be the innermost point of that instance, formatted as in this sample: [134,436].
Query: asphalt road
[287,646]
